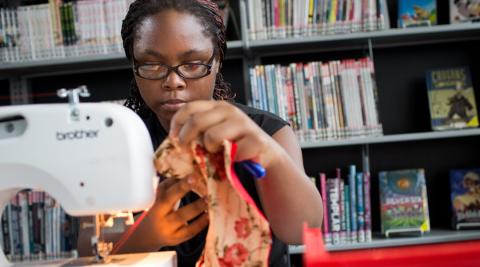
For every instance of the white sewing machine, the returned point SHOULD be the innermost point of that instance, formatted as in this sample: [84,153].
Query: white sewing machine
[92,158]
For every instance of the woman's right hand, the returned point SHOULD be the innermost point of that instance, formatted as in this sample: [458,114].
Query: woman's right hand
[169,223]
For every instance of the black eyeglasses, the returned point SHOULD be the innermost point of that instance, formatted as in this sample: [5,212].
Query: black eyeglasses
[158,71]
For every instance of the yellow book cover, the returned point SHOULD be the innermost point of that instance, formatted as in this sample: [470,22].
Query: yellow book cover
[451,98]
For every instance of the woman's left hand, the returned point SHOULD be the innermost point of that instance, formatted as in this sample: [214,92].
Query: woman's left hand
[214,121]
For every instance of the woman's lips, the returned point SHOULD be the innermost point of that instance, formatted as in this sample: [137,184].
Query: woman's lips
[173,105]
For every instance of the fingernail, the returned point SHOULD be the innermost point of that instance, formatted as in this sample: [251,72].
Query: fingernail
[190,180]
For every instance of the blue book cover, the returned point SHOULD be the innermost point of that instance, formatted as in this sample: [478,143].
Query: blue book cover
[413,13]
[451,98]
[353,203]
[465,197]
[360,209]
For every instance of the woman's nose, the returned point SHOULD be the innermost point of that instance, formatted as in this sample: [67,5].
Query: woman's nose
[173,81]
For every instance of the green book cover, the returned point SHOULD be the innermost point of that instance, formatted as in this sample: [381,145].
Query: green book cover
[403,201]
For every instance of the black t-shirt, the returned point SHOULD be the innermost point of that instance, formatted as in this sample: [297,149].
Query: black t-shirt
[189,251]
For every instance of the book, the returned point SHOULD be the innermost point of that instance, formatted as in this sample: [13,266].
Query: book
[465,197]
[367,207]
[451,98]
[334,216]
[403,201]
[464,11]
[353,202]
[325,200]
[413,13]
[360,208]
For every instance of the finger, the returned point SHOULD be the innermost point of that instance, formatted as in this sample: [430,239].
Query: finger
[197,123]
[167,183]
[250,148]
[188,212]
[172,195]
[192,229]
[213,137]
[164,186]
[183,114]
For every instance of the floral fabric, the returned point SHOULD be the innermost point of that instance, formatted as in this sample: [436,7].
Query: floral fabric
[238,233]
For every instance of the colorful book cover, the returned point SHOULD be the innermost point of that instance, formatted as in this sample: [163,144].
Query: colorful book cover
[451,98]
[464,10]
[412,13]
[333,185]
[465,197]
[403,201]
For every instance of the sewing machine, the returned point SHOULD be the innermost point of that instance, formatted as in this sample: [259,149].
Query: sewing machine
[92,158]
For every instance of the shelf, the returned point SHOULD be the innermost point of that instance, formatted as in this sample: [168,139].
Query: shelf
[392,138]
[386,38]
[435,236]
[89,63]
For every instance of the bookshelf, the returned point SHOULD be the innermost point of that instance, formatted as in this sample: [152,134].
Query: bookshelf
[435,236]
[380,39]
[393,138]
[401,57]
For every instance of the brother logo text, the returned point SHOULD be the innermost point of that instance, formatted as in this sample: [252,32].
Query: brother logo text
[78,134]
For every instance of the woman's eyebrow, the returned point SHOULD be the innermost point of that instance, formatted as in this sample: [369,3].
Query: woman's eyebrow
[191,52]
[182,54]
[154,53]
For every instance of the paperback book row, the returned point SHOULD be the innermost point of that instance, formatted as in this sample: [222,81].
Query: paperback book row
[347,209]
[414,13]
[273,19]
[321,100]
[35,227]
[60,29]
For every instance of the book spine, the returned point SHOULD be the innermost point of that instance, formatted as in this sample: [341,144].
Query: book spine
[334,209]
[15,228]
[320,101]
[31,226]
[348,230]
[296,97]
[41,216]
[353,202]
[325,200]
[48,227]
[343,220]
[426,216]
[368,208]
[328,101]
[6,232]
[290,97]
[360,208]
[23,203]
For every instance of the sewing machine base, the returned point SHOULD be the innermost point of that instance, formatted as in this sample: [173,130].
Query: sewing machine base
[156,259]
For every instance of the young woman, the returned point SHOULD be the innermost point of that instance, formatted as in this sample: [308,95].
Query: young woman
[177,48]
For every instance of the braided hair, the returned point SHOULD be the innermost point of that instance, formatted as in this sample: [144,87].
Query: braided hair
[207,13]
